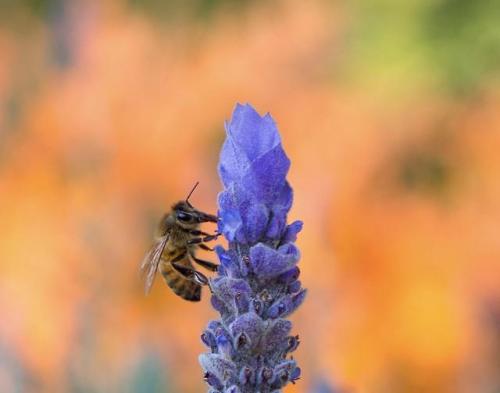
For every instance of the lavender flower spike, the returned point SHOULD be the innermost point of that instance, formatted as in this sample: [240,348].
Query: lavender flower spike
[257,284]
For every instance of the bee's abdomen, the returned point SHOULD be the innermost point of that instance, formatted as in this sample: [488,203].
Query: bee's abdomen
[182,286]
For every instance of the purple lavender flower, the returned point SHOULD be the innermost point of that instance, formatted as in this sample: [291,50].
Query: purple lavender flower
[257,284]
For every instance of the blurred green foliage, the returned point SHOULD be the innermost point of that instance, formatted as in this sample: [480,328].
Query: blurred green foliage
[463,40]
[448,45]
[40,8]
[165,11]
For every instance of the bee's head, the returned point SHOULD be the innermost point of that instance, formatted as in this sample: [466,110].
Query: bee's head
[187,216]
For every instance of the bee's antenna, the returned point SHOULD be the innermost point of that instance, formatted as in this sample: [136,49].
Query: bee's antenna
[189,195]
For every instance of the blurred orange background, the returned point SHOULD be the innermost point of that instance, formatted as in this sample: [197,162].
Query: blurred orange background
[111,110]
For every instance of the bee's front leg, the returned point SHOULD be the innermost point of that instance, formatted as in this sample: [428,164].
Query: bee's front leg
[197,232]
[198,240]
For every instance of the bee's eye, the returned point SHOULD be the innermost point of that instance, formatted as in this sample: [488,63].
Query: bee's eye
[184,217]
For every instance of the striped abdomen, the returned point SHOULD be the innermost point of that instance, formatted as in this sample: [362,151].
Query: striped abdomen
[182,286]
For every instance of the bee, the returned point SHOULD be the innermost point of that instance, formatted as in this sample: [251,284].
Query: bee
[173,252]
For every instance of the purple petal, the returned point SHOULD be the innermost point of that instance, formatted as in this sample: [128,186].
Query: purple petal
[280,307]
[291,232]
[254,216]
[217,365]
[295,374]
[297,300]
[265,376]
[213,381]
[233,389]
[218,304]
[268,262]
[226,289]
[294,287]
[267,175]
[247,376]
[253,134]
[208,339]
[243,218]
[249,136]
[228,261]
[290,275]
[224,345]
[286,305]
[276,333]
[230,218]
[251,324]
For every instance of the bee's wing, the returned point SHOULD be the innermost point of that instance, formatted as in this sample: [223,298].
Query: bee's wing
[149,264]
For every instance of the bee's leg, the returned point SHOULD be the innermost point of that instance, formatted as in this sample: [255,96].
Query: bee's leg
[198,240]
[191,273]
[179,257]
[206,264]
[203,246]
[196,232]
[205,217]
